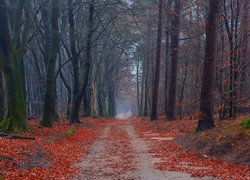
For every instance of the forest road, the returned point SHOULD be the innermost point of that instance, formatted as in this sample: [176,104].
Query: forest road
[118,153]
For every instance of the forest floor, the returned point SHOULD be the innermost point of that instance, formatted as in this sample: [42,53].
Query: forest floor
[118,149]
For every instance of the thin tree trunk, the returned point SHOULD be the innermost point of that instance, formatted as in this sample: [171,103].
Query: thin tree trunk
[166,69]
[155,92]
[138,89]
[87,100]
[146,97]
[99,95]
[221,85]
[2,98]
[145,108]
[74,116]
[142,89]
[94,97]
[182,91]
[67,87]
[75,60]
[206,104]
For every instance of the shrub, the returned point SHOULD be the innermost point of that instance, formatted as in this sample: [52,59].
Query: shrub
[245,123]
[71,132]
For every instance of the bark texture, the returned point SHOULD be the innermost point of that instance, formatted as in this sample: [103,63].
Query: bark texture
[171,108]
[154,107]
[11,55]
[206,104]
[50,94]
[74,116]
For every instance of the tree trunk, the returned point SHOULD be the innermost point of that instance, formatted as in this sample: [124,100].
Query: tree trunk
[2,109]
[10,58]
[50,94]
[155,92]
[100,103]
[99,95]
[145,108]
[87,100]
[142,89]
[166,68]
[138,88]
[182,91]
[245,51]
[74,117]
[67,87]
[167,34]
[111,103]
[93,97]
[146,97]
[206,104]
[174,58]
[74,60]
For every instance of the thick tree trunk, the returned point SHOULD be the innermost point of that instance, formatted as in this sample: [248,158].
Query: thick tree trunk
[75,108]
[155,92]
[171,108]
[206,104]
[245,51]
[50,94]
[10,57]
[16,110]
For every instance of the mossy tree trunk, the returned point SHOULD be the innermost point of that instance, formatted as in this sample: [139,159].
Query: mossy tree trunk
[15,119]
[50,94]
[12,50]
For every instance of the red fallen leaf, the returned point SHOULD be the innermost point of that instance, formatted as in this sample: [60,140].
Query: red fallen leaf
[61,151]
[175,159]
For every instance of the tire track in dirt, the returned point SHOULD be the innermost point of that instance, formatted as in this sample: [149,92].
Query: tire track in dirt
[146,161]
[110,157]
[119,153]
[89,165]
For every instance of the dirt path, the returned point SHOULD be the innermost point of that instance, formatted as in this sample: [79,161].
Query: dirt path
[119,153]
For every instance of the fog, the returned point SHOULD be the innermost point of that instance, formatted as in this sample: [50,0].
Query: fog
[123,108]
